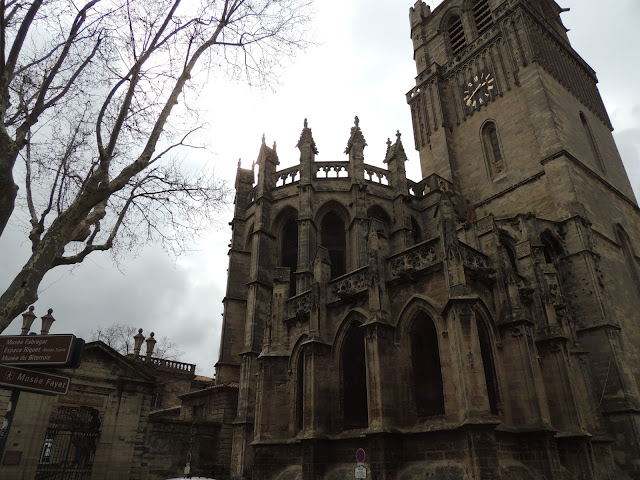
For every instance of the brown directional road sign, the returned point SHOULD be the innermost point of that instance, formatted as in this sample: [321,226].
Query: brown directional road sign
[35,349]
[24,379]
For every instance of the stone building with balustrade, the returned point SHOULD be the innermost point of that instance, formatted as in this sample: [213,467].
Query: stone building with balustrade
[125,417]
[480,323]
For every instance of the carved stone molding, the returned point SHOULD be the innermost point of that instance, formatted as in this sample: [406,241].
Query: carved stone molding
[299,306]
[350,285]
[415,259]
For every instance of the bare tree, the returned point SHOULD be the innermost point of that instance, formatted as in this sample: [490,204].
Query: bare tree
[86,94]
[120,338]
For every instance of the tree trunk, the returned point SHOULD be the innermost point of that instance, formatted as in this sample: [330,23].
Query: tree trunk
[8,188]
[23,291]
[8,193]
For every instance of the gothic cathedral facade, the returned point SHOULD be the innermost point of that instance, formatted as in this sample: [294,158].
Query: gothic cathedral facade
[481,323]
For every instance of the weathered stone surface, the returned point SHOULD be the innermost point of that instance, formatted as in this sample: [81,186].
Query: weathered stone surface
[483,320]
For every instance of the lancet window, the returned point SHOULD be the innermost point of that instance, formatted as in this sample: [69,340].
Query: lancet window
[482,16]
[289,252]
[629,255]
[415,231]
[493,153]
[300,392]
[592,142]
[354,379]
[488,365]
[456,33]
[333,238]
[428,388]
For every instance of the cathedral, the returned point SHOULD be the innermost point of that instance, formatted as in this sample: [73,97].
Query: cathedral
[480,323]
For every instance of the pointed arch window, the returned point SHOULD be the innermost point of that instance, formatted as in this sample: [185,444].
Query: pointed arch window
[415,231]
[379,219]
[428,388]
[488,365]
[493,152]
[482,16]
[595,152]
[354,379]
[289,252]
[629,255]
[509,251]
[300,392]
[456,33]
[552,248]
[333,238]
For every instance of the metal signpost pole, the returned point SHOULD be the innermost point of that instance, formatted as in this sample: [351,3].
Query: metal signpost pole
[35,350]
[27,321]
[361,470]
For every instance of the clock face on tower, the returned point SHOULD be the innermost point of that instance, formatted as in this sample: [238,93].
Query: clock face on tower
[479,90]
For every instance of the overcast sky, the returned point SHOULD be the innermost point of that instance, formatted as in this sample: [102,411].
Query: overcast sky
[362,65]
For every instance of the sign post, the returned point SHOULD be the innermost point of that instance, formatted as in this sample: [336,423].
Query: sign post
[361,470]
[34,350]
[33,381]
[46,350]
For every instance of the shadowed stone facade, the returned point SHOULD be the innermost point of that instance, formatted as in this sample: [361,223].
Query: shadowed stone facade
[478,324]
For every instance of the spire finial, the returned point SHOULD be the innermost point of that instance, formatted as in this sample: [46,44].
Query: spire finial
[239,162]
[307,138]
[388,142]
[274,145]
[264,140]
[398,135]
[357,121]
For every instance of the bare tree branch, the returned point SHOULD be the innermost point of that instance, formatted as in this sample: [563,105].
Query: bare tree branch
[89,92]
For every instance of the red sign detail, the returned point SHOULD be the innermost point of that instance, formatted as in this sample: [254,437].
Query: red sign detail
[360,455]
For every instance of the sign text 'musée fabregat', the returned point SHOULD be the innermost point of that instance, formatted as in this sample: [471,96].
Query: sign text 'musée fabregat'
[36,349]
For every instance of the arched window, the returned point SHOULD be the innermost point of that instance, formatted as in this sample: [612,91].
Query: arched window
[379,219]
[629,255]
[492,149]
[333,238]
[456,33]
[552,248]
[354,379]
[592,142]
[289,253]
[300,392]
[482,15]
[510,253]
[415,231]
[488,365]
[428,389]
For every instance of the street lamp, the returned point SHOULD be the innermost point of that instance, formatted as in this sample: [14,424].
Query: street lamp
[187,467]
